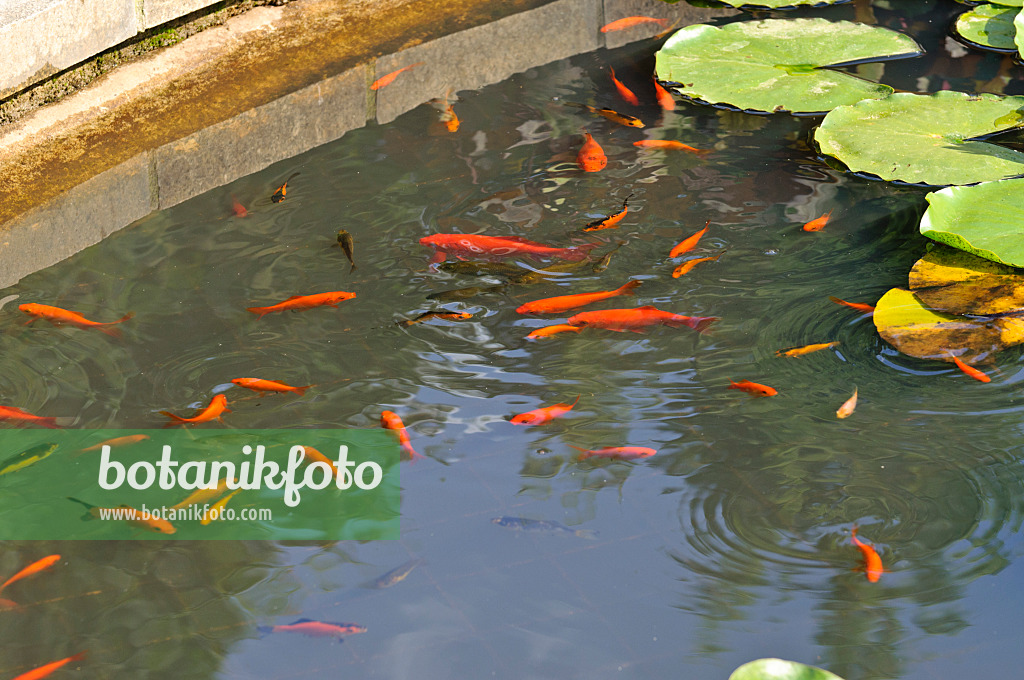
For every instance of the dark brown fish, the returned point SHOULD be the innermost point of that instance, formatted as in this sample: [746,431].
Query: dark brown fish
[469,268]
[282,191]
[349,246]
[603,263]
[463,293]
[447,316]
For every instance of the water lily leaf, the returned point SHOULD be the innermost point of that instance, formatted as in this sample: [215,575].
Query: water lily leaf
[1018,24]
[779,669]
[779,4]
[989,26]
[986,220]
[950,280]
[775,64]
[1009,3]
[925,139]
[905,323]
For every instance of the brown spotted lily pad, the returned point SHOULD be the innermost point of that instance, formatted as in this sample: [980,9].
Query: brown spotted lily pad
[953,281]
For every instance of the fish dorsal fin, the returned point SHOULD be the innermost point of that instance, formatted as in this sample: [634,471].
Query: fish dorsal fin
[298,621]
[648,308]
[519,239]
[295,297]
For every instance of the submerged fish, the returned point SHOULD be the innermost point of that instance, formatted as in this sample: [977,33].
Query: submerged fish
[756,389]
[315,628]
[614,116]
[806,349]
[563,303]
[469,268]
[688,243]
[282,191]
[57,316]
[629,22]
[127,514]
[591,157]
[539,416]
[819,223]
[541,525]
[872,561]
[669,144]
[623,91]
[261,385]
[29,456]
[217,406]
[846,410]
[447,316]
[117,441]
[606,259]
[48,669]
[616,452]
[34,568]
[639,318]
[348,245]
[478,245]
[969,370]
[390,420]
[329,299]
[22,416]
[464,293]
[610,222]
[685,267]
[859,306]
[394,576]
[547,331]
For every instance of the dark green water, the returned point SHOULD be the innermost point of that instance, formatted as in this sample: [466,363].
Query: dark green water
[732,543]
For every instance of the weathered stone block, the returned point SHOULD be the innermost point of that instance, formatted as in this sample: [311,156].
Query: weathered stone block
[156,12]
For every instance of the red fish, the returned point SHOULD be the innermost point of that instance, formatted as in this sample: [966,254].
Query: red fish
[639,318]
[591,157]
[260,385]
[685,267]
[497,247]
[56,315]
[859,306]
[20,415]
[282,191]
[390,78]
[315,628]
[665,99]
[872,562]
[623,91]
[819,223]
[547,331]
[688,244]
[218,405]
[43,671]
[610,222]
[390,420]
[668,144]
[617,452]
[34,568]
[330,299]
[756,389]
[539,416]
[238,209]
[630,22]
[971,370]
[563,303]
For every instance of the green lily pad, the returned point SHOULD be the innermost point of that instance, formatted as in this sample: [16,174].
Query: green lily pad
[950,280]
[1018,24]
[779,669]
[986,220]
[989,26]
[905,323]
[779,4]
[925,139]
[775,64]
[1009,3]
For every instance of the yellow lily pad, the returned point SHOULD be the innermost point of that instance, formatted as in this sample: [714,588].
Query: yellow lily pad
[953,281]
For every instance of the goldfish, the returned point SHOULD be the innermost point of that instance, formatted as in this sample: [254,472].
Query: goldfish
[129,514]
[818,223]
[499,246]
[688,244]
[43,671]
[9,605]
[859,306]
[547,331]
[34,568]
[623,91]
[29,456]
[685,267]
[617,452]
[591,157]
[535,276]
[614,116]
[969,370]
[630,22]
[218,405]
[314,456]
[872,561]
[668,144]
[238,209]
[665,99]
[638,318]
[756,389]
[450,120]
[200,496]
[463,293]
[394,576]
[541,525]
[315,628]
[330,299]
[806,349]
[390,78]
[56,316]
[562,303]
[348,245]
[260,385]
[610,222]
[447,316]
[282,191]
[23,416]
[217,509]
[390,420]
[846,409]
[117,441]
[543,415]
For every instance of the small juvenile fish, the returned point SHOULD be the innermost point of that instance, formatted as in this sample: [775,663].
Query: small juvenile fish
[623,91]
[756,389]
[689,243]
[669,144]
[846,409]
[217,406]
[282,191]
[23,416]
[563,303]
[447,316]
[260,385]
[348,245]
[616,452]
[469,268]
[541,525]
[56,316]
[685,267]
[391,421]
[629,22]
[603,263]
[806,349]
[665,99]
[132,516]
[238,209]
[29,456]
[614,116]
[591,157]
[396,575]
[217,509]
[969,370]
[610,222]
[117,441]
[330,299]
[390,78]
[819,223]
[463,293]
[34,568]
[872,561]
[859,306]
[315,628]
[543,415]
[547,331]
[48,669]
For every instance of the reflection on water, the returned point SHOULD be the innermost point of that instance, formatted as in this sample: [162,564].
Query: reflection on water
[732,542]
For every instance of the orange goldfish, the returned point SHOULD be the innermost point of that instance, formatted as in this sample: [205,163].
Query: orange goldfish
[498,247]
[688,244]
[34,568]
[117,441]
[846,410]
[859,306]
[391,421]
[200,496]
[315,628]
[685,267]
[218,405]
[623,91]
[43,671]
[330,299]
[56,315]
[638,318]
[260,385]
[238,209]
[539,416]
[756,389]
[819,223]
[610,222]
[130,515]
[614,116]
[971,370]
[591,157]
[665,99]
[562,303]
[668,144]
[21,415]
[629,22]
[390,78]
[806,349]
[282,191]
[548,331]
[616,452]
[872,562]
[314,456]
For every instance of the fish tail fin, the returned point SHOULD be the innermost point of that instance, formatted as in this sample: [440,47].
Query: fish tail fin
[173,417]
[258,311]
[577,400]
[48,421]
[628,287]
[78,657]
[583,455]
[581,252]
[576,104]
[302,390]
[112,332]
[588,534]
[88,512]
[352,268]
[702,323]
[264,631]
